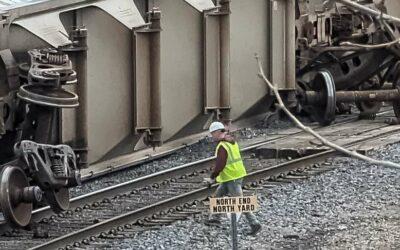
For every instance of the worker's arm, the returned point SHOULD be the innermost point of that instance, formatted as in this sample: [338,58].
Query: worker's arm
[220,162]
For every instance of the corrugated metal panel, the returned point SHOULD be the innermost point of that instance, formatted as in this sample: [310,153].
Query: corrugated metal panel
[11,4]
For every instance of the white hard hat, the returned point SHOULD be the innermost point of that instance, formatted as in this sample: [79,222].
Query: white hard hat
[216,126]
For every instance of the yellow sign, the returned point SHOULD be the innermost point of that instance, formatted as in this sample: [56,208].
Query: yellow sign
[233,204]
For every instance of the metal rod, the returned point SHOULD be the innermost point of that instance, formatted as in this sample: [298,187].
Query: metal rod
[368,95]
[382,95]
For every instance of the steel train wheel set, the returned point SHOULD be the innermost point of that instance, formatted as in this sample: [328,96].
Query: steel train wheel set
[322,99]
[347,55]
[38,167]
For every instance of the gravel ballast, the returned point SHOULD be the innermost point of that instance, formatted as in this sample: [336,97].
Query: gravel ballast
[355,205]
[200,150]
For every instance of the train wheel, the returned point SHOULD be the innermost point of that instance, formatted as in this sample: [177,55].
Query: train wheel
[323,83]
[50,97]
[369,109]
[58,199]
[16,211]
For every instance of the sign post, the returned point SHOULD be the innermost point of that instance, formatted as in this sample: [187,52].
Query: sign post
[233,205]
[234,231]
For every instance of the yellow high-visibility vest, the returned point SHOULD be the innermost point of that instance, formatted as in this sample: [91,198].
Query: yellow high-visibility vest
[234,168]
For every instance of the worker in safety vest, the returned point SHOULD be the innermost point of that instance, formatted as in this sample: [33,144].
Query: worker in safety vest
[229,171]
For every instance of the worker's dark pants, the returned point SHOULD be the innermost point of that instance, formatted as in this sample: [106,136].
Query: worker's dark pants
[233,189]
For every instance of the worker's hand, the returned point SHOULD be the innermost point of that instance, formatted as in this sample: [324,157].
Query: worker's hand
[208,181]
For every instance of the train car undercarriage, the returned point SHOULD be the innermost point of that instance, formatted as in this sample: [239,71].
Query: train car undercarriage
[34,164]
[347,53]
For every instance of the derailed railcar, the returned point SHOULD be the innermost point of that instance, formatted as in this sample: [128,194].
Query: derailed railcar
[83,82]
[86,81]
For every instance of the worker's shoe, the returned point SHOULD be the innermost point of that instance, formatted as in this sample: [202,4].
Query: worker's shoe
[254,229]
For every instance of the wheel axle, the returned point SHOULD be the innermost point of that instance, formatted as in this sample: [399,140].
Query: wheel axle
[384,95]
[322,99]
[32,194]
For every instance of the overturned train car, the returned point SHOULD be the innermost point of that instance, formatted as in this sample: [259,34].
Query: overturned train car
[83,82]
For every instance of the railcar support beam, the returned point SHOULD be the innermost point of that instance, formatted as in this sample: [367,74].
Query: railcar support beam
[78,52]
[225,60]
[217,61]
[147,71]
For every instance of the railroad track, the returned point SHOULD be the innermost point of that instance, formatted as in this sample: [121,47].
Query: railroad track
[170,173]
[127,162]
[118,175]
[123,206]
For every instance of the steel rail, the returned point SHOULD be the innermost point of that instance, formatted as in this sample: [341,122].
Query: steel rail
[149,158]
[147,180]
[143,181]
[198,194]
